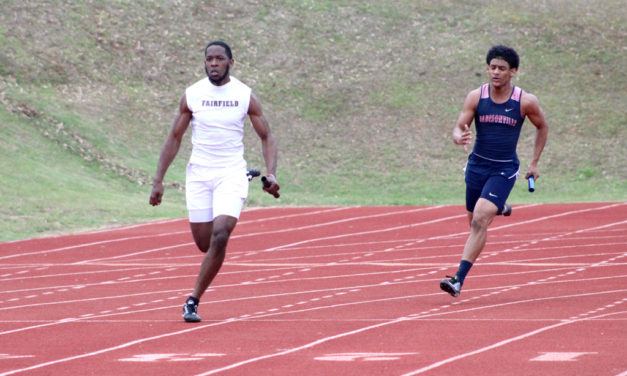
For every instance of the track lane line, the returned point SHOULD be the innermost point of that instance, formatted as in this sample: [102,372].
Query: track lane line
[308,345]
[137,237]
[392,322]
[506,342]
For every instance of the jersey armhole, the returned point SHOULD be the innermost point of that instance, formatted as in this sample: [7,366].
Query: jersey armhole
[517,94]
[485,91]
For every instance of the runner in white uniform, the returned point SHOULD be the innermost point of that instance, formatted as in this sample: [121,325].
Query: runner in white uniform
[216,183]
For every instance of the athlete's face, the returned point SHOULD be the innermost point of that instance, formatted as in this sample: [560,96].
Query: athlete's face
[217,65]
[500,73]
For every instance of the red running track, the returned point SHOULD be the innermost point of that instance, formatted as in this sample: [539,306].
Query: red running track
[326,291]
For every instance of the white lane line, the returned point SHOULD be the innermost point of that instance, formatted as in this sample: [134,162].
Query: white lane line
[505,342]
[392,322]
[311,344]
[129,238]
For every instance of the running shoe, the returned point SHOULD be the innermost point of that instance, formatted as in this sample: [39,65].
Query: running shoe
[189,311]
[507,210]
[452,286]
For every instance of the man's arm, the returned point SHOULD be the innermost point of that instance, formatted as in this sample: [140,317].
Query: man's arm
[531,109]
[170,149]
[268,144]
[461,132]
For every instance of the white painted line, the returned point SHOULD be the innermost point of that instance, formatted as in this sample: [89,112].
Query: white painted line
[504,342]
[560,356]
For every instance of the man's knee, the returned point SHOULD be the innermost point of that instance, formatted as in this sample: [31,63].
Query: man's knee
[480,222]
[220,236]
[482,216]
[222,228]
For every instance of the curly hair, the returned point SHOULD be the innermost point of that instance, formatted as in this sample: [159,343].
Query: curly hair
[506,53]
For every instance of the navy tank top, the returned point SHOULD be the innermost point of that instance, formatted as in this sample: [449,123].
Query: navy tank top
[498,127]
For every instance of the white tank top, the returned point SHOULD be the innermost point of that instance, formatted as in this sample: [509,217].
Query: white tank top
[218,123]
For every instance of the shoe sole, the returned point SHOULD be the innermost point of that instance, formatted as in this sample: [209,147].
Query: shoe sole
[447,287]
[191,318]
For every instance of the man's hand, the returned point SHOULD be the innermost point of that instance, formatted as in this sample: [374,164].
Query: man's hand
[462,136]
[270,185]
[532,170]
[156,194]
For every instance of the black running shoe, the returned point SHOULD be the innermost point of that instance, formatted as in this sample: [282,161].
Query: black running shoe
[452,286]
[189,311]
[507,210]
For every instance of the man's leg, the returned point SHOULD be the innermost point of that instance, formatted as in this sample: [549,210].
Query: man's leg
[491,203]
[211,228]
[211,239]
[201,231]
[482,216]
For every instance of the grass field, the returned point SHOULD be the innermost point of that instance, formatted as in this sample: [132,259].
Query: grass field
[361,95]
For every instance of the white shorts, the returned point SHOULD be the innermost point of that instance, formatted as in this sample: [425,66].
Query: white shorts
[210,192]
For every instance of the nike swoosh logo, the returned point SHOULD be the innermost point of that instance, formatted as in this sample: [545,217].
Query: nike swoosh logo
[492,194]
[508,109]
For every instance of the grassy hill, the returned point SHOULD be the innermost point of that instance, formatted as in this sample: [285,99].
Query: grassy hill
[361,95]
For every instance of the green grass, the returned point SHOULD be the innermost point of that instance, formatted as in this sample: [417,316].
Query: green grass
[51,190]
[361,96]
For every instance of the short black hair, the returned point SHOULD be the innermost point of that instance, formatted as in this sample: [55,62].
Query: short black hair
[503,52]
[223,44]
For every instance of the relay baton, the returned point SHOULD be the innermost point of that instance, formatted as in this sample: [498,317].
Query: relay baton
[532,183]
[266,183]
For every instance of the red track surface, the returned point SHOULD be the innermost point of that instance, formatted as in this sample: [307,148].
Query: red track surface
[321,291]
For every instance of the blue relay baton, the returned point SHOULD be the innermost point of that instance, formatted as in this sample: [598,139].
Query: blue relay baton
[532,183]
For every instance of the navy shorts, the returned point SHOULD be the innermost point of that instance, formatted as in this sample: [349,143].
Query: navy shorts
[490,180]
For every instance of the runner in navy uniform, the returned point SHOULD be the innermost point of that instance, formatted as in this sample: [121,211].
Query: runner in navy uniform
[499,110]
